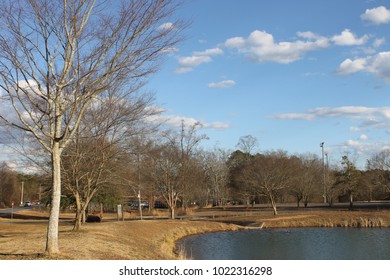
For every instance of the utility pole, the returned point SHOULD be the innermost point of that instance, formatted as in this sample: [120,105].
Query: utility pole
[323,169]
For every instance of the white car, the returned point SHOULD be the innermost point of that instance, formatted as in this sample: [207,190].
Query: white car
[27,204]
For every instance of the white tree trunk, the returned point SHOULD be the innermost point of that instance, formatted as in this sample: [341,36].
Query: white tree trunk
[52,231]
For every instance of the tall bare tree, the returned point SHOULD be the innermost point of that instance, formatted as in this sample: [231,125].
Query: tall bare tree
[57,56]
[217,174]
[173,165]
[380,164]
[96,155]
[184,143]
[306,178]
[247,144]
[267,175]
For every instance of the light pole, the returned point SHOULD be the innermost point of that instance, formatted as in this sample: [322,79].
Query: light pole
[323,169]
[21,195]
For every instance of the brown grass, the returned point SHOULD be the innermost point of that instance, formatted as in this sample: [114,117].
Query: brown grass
[110,240]
[156,239]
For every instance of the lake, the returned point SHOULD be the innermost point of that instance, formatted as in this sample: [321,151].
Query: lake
[291,244]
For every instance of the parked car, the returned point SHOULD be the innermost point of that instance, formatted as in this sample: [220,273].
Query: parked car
[27,204]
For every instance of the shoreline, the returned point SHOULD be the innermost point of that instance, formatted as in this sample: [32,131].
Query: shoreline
[157,239]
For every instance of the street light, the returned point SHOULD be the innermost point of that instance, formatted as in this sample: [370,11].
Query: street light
[323,169]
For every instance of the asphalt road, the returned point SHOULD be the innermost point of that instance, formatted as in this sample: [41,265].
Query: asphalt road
[7,211]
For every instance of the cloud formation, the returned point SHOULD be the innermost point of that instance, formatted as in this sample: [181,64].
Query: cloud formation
[175,121]
[378,15]
[378,65]
[222,84]
[357,112]
[347,38]
[260,46]
[188,63]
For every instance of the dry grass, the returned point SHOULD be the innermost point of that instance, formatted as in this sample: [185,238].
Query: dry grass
[156,239]
[110,240]
[323,218]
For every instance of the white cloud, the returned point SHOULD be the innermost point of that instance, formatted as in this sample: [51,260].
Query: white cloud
[348,66]
[378,15]
[216,125]
[294,116]
[170,50]
[378,65]
[188,63]
[363,137]
[347,38]
[353,143]
[235,42]
[222,84]
[260,46]
[166,26]
[356,112]
[354,129]
[176,120]
[379,42]
[209,52]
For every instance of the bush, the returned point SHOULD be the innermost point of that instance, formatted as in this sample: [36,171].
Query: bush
[93,219]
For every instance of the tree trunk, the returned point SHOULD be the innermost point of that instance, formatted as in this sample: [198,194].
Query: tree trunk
[273,203]
[79,214]
[298,200]
[78,220]
[101,211]
[350,201]
[52,231]
[172,212]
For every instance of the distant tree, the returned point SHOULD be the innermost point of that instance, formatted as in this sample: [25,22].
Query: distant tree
[173,165]
[306,178]
[379,164]
[184,142]
[164,172]
[348,179]
[9,186]
[241,190]
[217,174]
[267,175]
[247,144]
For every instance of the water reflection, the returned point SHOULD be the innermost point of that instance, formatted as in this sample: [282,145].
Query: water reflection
[291,244]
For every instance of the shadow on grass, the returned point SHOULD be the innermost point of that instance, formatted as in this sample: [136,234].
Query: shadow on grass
[35,256]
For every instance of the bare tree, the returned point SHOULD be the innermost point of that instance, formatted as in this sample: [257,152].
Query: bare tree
[164,172]
[184,143]
[217,172]
[306,175]
[96,155]
[57,56]
[267,175]
[174,166]
[380,164]
[247,144]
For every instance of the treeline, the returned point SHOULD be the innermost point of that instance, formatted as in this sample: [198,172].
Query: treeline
[169,167]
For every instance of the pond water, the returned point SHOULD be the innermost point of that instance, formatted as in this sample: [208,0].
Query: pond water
[291,244]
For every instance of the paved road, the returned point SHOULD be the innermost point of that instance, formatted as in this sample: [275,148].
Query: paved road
[7,211]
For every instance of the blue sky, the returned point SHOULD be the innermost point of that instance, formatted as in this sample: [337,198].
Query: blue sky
[292,74]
